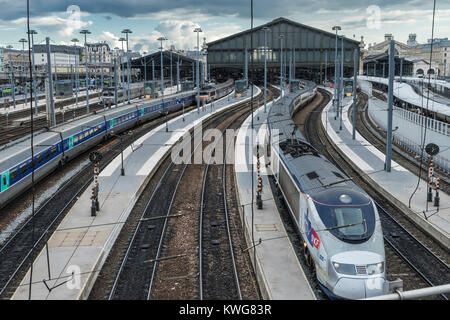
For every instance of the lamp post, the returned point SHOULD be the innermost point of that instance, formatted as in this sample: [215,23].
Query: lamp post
[161,39]
[85,32]
[205,53]
[23,41]
[265,68]
[198,30]
[75,40]
[122,40]
[281,64]
[33,32]
[127,31]
[122,170]
[336,28]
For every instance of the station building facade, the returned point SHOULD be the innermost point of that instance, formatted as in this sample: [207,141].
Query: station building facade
[312,51]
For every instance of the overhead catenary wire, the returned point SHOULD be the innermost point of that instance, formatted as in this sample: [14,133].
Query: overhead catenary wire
[424,137]
[32,147]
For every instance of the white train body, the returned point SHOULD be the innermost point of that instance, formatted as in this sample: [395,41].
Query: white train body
[349,261]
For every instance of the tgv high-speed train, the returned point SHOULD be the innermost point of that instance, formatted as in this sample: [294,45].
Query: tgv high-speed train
[337,220]
[210,92]
[66,141]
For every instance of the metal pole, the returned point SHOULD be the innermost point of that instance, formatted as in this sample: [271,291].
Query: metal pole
[326,65]
[390,107]
[76,79]
[162,71]
[145,69]
[101,71]
[128,67]
[87,72]
[414,294]
[293,66]
[335,72]
[384,70]
[281,65]
[50,83]
[23,69]
[115,82]
[265,70]
[341,93]
[178,76]
[246,67]
[56,71]
[401,69]
[34,78]
[197,75]
[171,72]
[355,81]
[153,69]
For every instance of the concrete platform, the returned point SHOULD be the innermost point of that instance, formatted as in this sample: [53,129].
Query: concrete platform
[279,273]
[81,243]
[398,185]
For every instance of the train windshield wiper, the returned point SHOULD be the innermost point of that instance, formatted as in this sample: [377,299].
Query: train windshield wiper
[363,222]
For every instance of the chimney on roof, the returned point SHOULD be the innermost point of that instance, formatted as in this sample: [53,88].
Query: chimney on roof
[388,37]
[412,39]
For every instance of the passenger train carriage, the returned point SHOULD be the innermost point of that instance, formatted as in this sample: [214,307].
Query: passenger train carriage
[212,92]
[108,94]
[337,220]
[66,141]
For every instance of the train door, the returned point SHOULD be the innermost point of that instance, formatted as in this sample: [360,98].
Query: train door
[4,181]
[70,143]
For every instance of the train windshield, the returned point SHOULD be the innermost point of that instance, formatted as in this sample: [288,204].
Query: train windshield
[350,221]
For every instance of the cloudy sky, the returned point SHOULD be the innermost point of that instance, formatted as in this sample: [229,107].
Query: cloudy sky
[62,20]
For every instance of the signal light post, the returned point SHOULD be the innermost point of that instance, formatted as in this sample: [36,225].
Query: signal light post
[95,158]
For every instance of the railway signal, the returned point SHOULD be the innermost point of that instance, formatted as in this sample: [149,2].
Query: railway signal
[95,157]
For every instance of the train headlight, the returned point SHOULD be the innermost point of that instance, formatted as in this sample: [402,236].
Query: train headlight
[344,268]
[375,268]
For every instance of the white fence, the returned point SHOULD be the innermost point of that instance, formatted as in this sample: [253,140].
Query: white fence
[409,128]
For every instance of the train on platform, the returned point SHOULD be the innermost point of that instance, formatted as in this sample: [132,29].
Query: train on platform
[108,94]
[55,147]
[337,221]
[212,92]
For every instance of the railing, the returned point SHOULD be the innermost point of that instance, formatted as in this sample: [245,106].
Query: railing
[431,124]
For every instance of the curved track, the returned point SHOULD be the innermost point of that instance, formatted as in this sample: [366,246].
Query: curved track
[431,268]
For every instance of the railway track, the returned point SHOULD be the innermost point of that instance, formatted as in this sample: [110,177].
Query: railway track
[406,158]
[23,246]
[427,261]
[141,255]
[218,275]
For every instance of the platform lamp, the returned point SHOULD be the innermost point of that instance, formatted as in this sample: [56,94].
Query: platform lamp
[205,53]
[198,30]
[75,40]
[32,33]
[265,68]
[23,41]
[335,28]
[85,32]
[127,31]
[121,59]
[161,39]
[281,64]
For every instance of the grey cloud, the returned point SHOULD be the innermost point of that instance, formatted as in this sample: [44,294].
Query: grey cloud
[263,9]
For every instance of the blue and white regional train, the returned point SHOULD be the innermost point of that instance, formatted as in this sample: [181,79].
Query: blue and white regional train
[337,220]
[55,147]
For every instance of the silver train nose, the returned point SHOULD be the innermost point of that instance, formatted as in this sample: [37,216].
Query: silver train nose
[352,288]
